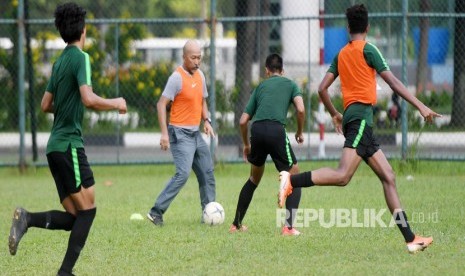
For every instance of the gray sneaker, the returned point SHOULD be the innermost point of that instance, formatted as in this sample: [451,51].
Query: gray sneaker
[18,229]
[157,220]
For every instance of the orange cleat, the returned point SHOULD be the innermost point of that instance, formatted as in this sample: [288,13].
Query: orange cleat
[285,187]
[234,229]
[290,232]
[419,244]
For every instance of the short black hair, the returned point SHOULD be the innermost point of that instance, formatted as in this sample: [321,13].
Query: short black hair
[70,21]
[274,63]
[357,18]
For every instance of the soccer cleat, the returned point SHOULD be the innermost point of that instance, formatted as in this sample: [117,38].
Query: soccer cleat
[18,229]
[419,244]
[285,187]
[234,229]
[157,220]
[290,232]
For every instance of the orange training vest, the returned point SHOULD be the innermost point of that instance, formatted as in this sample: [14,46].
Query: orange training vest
[358,80]
[186,109]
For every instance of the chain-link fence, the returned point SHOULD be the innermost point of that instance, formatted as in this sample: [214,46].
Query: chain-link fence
[134,47]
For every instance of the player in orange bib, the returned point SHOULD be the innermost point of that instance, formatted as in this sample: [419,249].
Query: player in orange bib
[357,64]
[186,91]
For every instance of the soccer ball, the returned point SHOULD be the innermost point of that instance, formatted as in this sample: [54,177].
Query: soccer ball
[213,214]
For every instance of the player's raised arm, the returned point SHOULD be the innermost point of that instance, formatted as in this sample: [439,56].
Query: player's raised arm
[398,87]
[326,99]
[300,109]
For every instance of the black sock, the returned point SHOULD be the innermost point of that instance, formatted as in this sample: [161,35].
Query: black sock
[292,204]
[51,220]
[245,197]
[400,219]
[64,273]
[302,180]
[77,238]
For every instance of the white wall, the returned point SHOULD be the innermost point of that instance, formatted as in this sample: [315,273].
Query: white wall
[295,33]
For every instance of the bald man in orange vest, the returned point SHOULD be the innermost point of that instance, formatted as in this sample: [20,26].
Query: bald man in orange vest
[186,91]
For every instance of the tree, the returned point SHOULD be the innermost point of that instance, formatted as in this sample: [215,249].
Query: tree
[422,64]
[458,99]
[9,78]
[245,31]
[264,36]
[128,32]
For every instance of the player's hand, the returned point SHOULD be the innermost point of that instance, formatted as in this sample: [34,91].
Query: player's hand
[208,129]
[429,115]
[299,137]
[245,152]
[164,142]
[337,122]
[122,108]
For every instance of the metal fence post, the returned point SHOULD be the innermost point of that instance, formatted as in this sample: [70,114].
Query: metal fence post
[309,96]
[404,77]
[213,75]
[118,124]
[21,80]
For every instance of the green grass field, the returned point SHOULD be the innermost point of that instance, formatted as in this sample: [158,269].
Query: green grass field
[118,246]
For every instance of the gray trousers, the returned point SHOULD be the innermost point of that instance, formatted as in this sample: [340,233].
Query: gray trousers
[189,151]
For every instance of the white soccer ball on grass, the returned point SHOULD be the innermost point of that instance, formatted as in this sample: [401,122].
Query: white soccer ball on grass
[213,214]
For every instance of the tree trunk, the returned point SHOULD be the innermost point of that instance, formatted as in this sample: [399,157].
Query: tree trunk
[203,14]
[422,65]
[264,31]
[458,99]
[244,56]
[11,98]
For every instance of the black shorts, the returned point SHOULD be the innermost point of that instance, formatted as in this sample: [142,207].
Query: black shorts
[70,170]
[269,137]
[360,136]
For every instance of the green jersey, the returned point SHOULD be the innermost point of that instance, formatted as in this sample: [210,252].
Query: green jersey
[70,71]
[271,99]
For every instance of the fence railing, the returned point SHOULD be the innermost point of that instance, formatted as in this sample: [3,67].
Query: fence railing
[133,58]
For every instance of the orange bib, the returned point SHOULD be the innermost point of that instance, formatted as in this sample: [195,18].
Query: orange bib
[186,109]
[358,80]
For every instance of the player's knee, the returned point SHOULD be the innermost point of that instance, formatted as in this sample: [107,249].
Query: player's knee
[255,180]
[294,169]
[343,179]
[390,179]
[344,182]
[182,175]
